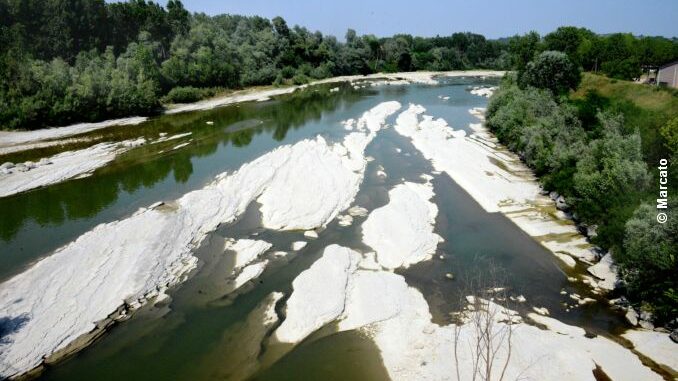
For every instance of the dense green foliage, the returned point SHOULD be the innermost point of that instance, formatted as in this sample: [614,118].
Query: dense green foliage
[650,261]
[551,70]
[618,55]
[188,94]
[84,60]
[63,61]
[592,150]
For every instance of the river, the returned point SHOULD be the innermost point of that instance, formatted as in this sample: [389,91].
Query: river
[203,334]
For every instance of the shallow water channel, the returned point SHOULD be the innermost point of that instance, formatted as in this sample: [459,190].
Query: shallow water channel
[202,335]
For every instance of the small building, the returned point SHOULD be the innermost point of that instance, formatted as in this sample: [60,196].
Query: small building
[668,75]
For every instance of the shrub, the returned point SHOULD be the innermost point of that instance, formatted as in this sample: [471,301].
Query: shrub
[551,70]
[649,262]
[300,79]
[184,94]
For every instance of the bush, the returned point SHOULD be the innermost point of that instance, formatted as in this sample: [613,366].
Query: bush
[547,135]
[649,262]
[300,79]
[279,80]
[670,134]
[599,165]
[627,69]
[610,174]
[551,70]
[184,94]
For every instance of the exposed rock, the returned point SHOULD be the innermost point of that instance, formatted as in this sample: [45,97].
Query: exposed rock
[606,271]
[401,232]
[657,346]
[592,231]
[155,205]
[318,295]
[645,320]
[298,245]
[568,260]
[66,165]
[646,315]
[674,335]
[311,234]
[345,220]
[248,273]
[246,251]
[561,204]
[337,171]
[153,247]
[412,347]
[357,211]
[632,317]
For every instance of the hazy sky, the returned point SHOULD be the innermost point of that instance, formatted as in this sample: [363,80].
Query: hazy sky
[493,18]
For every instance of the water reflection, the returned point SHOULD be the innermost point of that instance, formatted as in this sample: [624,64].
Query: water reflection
[148,167]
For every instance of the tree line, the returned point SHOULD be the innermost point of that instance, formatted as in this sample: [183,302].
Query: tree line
[617,55]
[586,150]
[65,61]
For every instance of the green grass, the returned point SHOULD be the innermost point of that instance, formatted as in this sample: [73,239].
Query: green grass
[646,108]
[663,100]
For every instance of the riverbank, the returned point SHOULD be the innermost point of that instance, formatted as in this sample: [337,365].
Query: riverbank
[20,177]
[500,182]
[16,141]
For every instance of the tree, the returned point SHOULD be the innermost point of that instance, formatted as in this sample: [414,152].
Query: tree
[610,171]
[670,134]
[178,17]
[649,262]
[567,39]
[523,49]
[553,71]
[280,27]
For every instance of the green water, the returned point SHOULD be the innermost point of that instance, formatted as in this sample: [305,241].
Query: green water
[202,335]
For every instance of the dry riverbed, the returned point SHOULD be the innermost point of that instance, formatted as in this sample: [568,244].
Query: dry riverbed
[64,301]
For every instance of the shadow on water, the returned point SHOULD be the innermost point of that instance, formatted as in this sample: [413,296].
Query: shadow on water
[341,356]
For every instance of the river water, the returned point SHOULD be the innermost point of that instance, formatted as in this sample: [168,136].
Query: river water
[201,335]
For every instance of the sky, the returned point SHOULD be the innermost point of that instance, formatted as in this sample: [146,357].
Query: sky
[492,18]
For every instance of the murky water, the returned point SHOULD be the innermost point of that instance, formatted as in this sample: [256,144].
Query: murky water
[203,334]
